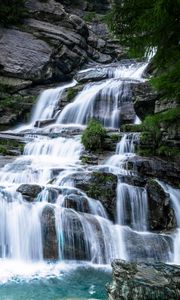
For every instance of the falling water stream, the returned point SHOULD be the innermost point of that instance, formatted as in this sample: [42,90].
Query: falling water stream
[62,219]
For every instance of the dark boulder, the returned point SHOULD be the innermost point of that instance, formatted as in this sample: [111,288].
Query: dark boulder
[161,214]
[144,281]
[156,168]
[29,191]
[49,236]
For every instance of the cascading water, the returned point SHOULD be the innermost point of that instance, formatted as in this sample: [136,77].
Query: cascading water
[175,199]
[61,221]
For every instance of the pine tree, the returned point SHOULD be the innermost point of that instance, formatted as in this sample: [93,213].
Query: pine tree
[142,25]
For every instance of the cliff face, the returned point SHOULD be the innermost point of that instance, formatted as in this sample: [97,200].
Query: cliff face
[48,47]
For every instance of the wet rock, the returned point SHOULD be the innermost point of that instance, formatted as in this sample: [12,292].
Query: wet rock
[144,281]
[161,214]
[149,247]
[44,123]
[100,186]
[77,202]
[92,75]
[49,236]
[89,158]
[29,191]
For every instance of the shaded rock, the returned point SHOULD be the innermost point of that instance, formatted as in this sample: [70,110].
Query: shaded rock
[77,202]
[144,99]
[29,191]
[155,167]
[162,105]
[161,214]
[100,186]
[49,236]
[144,281]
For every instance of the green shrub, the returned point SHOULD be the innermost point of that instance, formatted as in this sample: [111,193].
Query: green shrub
[12,11]
[93,136]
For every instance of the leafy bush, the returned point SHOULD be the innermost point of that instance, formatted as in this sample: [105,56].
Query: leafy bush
[12,11]
[93,136]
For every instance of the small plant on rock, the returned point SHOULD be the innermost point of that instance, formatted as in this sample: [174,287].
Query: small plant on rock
[93,136]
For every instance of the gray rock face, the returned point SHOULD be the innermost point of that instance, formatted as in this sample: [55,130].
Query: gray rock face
[156,168]
[144,281]
[22,55]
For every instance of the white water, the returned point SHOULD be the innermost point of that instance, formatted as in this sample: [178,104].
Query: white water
[175,198]
[47,103]
[82,228]
[103,100]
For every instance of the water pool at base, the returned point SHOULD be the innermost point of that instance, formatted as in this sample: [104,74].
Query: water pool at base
[76,284]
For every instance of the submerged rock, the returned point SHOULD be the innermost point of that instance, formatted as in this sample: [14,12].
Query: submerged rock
[49,237]
[155,281]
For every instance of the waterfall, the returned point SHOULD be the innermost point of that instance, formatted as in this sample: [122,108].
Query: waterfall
[175,199]
[47,103]
[103,100]
[61,221]
[132,206]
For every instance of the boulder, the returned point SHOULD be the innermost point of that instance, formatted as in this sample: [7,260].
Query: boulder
[161,214]
[29,191]
[144,281]
[144,99]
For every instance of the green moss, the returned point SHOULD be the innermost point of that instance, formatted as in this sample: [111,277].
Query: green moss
[89,16]
[93,136]
[151,142]
[168,151]
[71,94]
[131,128]
[115,137]
[7,145]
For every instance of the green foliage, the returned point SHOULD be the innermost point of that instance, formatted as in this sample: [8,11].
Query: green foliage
[93,136]
[12,11]
[146,24]
[151,137]
[89,16]
[71,94]
[131,128]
